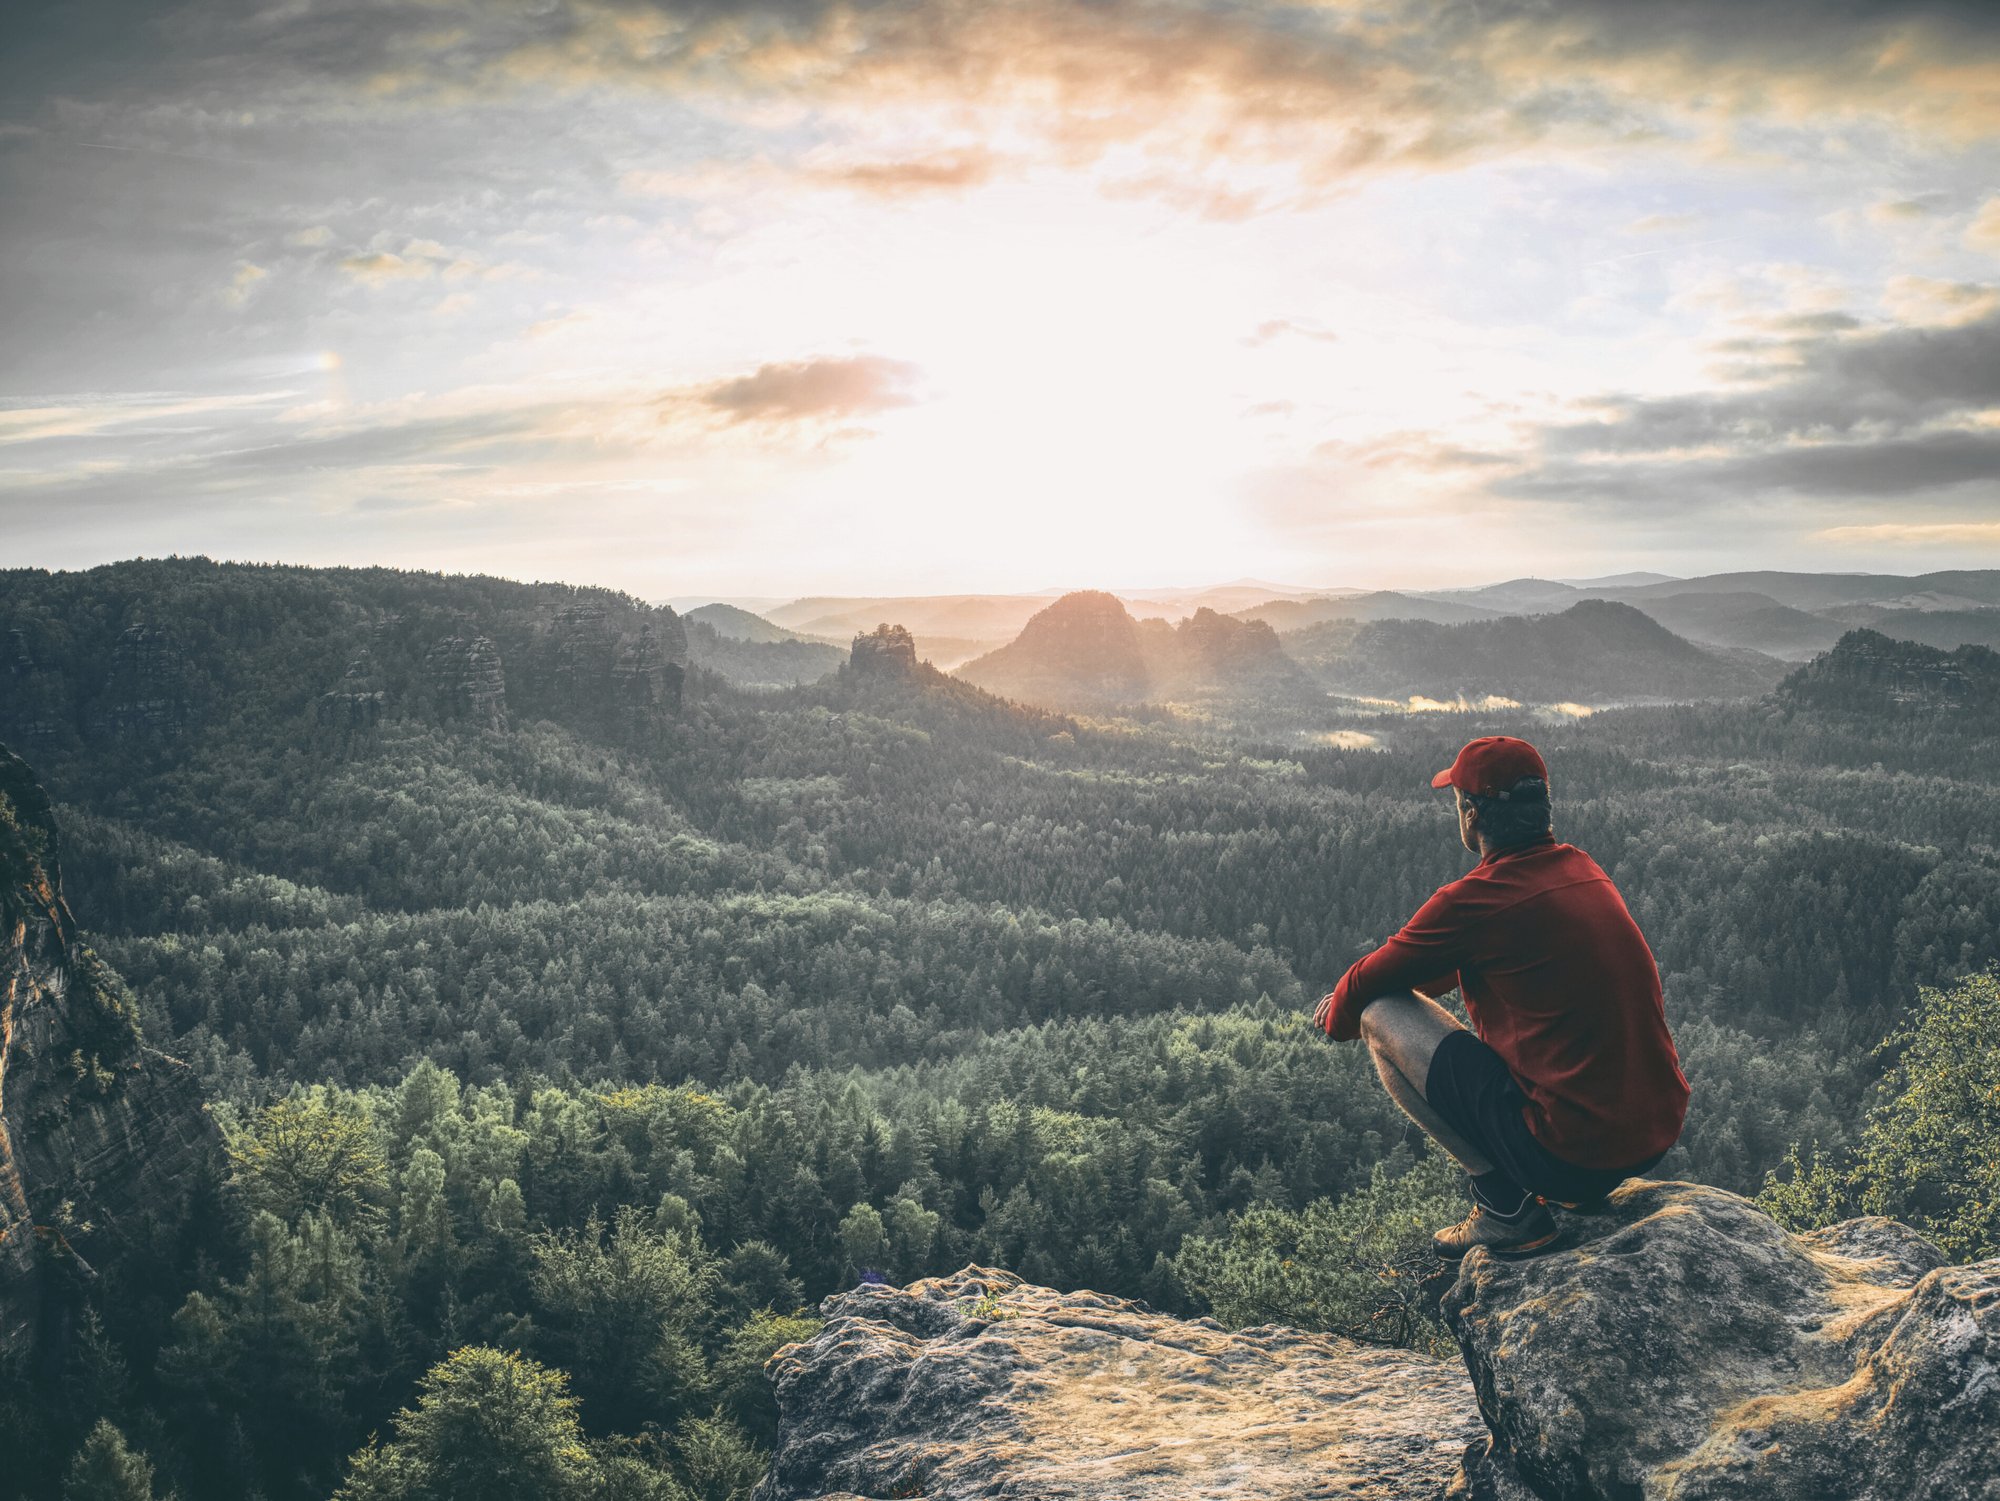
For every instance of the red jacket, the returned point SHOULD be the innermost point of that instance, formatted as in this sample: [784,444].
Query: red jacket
[1559,982]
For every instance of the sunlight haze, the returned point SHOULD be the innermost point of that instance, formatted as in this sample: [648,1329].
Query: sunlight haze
[752,299]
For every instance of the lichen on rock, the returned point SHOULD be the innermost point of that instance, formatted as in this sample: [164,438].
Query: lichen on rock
[1680,1344]
[1684,1344]
[980,1385]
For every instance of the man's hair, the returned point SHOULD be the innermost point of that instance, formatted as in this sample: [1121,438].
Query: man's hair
[1517,816]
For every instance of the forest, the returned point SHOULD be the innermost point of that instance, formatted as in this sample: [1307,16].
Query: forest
[569,1044]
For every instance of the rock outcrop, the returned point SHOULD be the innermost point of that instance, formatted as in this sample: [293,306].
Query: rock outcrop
[468,681]
[645,681]
[979,1385]
[622,682]
[349,713]
[146,687]
[888,651]
[1869,673]
[1679,1344]
[100,1136]
[1684,1345]
[33,703]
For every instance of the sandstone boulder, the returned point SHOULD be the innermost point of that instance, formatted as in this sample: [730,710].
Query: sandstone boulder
[1684,1345]
[979,1385]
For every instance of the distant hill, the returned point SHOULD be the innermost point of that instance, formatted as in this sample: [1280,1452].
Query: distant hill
[1823,591]
[784,662]
[1745,619]
[1283,615]
[1518,596]
[752,669]
[1086,651]
[161,654]
[1224,599]
[739,625]
[980,617]
[1622,580]
[1595,652]
[948,652]
[1870,673]
[1941,628]
[1949,589]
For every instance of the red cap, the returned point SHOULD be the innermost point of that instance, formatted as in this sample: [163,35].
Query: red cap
[1490,764]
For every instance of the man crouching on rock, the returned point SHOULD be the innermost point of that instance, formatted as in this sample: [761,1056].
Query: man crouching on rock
[1571,1083]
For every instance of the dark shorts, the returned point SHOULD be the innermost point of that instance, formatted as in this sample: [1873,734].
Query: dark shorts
[1471,1088]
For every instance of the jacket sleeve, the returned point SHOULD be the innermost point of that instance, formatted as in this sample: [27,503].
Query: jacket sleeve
[1424,956]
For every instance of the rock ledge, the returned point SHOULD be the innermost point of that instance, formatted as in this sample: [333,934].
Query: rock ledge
[978,1385]
[1683,1344]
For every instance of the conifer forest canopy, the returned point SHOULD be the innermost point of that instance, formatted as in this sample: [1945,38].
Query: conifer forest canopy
[575,1019]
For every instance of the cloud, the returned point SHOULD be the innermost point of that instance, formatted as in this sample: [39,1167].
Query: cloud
[418,260]
[243,283]
[904,176]
[1984,231]
[382,266]
[1655,224]
[1922,206]
[1918,534]
[813,390]
[1829,384]
[1883,412]
[1414,451]
[1339,89]
[84,417]
[1924,299]
[1272,328]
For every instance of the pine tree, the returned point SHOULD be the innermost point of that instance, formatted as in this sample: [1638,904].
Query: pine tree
[488,1424]
[107,1469]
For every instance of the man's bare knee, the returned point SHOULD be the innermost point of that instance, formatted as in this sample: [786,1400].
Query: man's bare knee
[1380,1015]
[1405,1030]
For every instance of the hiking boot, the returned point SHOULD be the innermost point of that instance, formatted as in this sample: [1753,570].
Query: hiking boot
[1523,1234]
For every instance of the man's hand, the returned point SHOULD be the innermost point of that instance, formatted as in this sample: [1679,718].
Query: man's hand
[1323,1017]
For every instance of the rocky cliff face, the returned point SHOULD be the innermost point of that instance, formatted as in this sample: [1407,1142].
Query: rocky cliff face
[888,651]
[621,681]
[1681,1344]
[35,707]
[146,687]
[348,714]
[99,1135]
[468,681]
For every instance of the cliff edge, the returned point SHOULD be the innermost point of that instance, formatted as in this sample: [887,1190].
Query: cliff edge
[100,1136]
[1679,1344]
[979,1385]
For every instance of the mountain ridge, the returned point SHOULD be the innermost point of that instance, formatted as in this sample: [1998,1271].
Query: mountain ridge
[1087,651]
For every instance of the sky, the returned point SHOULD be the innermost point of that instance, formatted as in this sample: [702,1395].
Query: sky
[921,296]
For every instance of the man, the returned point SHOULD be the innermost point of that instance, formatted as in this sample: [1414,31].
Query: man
[1571,1083]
